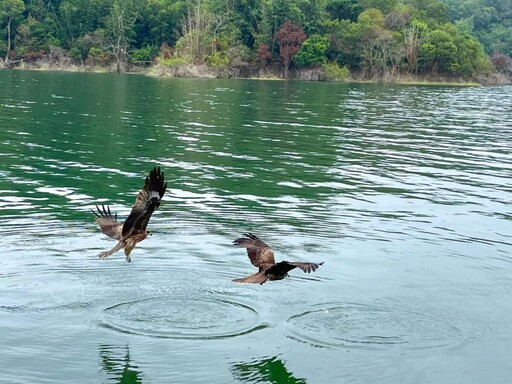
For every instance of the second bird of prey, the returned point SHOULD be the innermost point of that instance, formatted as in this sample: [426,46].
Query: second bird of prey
[133,231]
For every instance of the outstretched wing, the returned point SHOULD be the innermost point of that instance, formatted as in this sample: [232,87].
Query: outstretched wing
[259,253]
[146,202]
[286,266]
[108,222]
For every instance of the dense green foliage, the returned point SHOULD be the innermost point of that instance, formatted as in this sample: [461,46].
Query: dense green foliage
[376,38]
[489,20]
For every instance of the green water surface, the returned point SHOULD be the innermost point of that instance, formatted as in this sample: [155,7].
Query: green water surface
[404,192]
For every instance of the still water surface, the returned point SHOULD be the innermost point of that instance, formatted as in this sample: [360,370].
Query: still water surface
[403,191]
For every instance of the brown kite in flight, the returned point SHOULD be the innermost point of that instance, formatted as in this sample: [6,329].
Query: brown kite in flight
[262,257]
[133,230]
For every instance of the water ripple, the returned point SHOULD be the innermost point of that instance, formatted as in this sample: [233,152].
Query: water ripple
[183,317]
[360,325]
[403,191]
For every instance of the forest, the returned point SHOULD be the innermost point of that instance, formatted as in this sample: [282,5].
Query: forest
[380,40]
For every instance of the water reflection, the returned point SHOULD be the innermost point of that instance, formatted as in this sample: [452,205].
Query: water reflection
[116,362]
[267,370]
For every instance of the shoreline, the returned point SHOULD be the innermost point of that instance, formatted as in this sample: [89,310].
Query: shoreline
[204,72]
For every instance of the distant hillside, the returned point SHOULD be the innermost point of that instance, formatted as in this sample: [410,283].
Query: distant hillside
[380,40]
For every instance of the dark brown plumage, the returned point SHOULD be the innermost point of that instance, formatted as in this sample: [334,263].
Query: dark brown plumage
[133,230]
[262,257]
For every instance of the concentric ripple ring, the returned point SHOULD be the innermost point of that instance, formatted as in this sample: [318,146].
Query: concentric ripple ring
[182,318]
[358,325]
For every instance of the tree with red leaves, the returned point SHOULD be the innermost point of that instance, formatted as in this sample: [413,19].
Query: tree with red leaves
[290,38]
[501,62]
[263,55]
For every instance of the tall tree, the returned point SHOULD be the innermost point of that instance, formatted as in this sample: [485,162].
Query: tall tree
[120,32]
[194,43]
[414,35]
[290,38]
[344,43]
[382,50]
[273,14]
[9,10]
[439,52]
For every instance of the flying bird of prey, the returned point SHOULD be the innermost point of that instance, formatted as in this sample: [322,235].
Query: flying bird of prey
[133,230]
[262,257]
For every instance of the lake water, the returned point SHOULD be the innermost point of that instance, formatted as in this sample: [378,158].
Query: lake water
[405,192]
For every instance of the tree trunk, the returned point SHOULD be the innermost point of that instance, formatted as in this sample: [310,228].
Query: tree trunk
[8,40]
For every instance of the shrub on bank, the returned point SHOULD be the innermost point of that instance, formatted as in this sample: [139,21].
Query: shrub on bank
[333,72]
